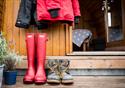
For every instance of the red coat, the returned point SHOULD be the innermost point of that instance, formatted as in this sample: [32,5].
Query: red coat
[67,9]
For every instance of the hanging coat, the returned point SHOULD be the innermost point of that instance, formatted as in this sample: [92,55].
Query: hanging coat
[27,15]
[55,10]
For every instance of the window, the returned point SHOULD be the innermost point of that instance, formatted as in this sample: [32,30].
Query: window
[109,19]
[114,16]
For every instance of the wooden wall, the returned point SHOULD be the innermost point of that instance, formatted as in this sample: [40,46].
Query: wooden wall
[1,13]
[56,45]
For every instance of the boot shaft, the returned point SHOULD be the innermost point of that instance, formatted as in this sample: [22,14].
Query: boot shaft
[41,56]
[64,65]
[30,45]
[53,66]
[66,77]
[40,39]
[53,75]
[36,48]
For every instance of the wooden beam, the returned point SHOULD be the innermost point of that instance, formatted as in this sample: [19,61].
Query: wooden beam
[62,40]
[67,39]
[70,37]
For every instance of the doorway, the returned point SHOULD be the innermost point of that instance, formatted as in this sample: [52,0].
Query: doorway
[104,19]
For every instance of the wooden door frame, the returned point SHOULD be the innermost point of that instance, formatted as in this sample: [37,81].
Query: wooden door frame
[121,42]
[69,46]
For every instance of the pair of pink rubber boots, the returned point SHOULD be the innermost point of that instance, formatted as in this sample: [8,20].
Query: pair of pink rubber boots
[36,52]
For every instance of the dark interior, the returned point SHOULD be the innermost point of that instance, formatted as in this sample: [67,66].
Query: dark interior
[93,19]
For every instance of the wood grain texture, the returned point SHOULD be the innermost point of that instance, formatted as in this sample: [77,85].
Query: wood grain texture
[9,22]
[2,6]
[67,39]
[56,39]
[62,41]
[87,62]
[70,39]
[16,31]
[50,42]
[79,82]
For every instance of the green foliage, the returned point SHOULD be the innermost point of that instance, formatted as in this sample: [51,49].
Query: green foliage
[3,48]
[8,56]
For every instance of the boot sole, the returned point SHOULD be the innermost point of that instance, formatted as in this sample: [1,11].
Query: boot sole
[67,82]
[40,82]
[53,81]
[28,81]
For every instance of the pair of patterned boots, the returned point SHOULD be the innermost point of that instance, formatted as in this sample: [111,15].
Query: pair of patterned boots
[59,72]
[36,54]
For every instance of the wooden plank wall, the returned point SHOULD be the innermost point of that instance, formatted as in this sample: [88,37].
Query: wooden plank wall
[56,45]
[1,13]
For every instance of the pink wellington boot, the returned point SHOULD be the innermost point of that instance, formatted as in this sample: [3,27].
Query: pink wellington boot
[41,39]
[30,44]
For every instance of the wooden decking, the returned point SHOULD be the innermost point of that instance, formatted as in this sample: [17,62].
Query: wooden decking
[80,82]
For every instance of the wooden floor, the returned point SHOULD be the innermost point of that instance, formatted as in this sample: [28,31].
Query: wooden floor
[80,82]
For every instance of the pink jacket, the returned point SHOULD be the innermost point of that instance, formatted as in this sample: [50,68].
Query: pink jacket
[68,9]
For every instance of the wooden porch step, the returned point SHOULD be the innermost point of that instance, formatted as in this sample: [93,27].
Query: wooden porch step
[87,62]
[98,53]
[79,82]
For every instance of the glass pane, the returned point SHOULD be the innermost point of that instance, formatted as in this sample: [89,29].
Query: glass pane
[115,20]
